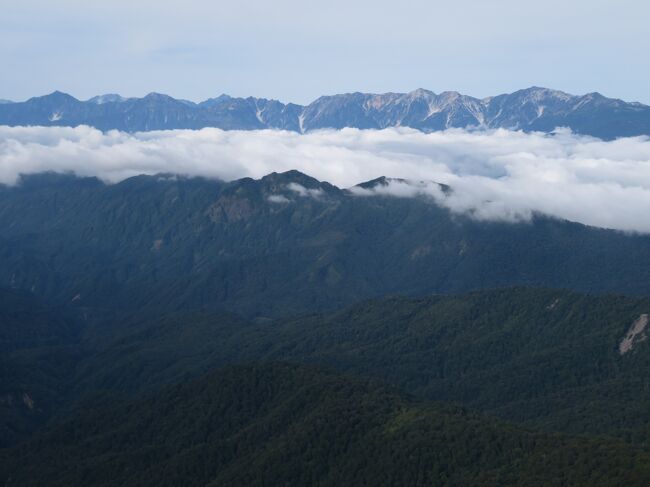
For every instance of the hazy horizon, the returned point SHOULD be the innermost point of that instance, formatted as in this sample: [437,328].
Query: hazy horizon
[286,101]
[295,52]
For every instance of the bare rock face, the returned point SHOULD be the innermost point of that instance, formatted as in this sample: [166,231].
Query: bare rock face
[231,208]
[634,335]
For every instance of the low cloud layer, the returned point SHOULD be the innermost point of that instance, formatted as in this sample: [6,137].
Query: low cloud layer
[497,174]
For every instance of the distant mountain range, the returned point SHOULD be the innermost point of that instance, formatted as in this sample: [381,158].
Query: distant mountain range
[531,109]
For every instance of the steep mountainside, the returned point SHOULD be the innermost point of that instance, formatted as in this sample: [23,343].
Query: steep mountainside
[529,109]
[287,425]
[283,244]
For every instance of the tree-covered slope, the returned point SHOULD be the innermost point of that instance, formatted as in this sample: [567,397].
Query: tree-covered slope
[267,247]
[545,357]
[28,323]
[288,425]
[38,352]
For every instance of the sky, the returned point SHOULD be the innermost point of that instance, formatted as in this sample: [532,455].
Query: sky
[494,174]
[296,50]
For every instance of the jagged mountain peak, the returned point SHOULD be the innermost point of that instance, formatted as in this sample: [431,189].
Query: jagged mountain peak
[291,176]
[298,183]
[159,96]
[421,93]
[54,96]
[380,181]
[451,95]
[107,98]
[384,182]
[537,94]
[58,93]
[216,100]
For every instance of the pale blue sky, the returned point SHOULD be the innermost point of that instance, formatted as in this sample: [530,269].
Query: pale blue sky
[296,51]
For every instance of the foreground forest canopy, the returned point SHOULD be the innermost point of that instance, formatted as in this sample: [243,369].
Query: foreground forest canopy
[166,331]
[288,425]
[89,402]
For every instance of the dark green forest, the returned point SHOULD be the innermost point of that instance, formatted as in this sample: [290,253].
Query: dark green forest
[290,425]
[213,337]
[172,243]
[104,401]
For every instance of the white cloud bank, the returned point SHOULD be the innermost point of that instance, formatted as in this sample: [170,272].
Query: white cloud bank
[496,174]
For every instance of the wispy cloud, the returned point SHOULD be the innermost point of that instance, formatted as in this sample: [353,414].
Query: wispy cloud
[496,174]
[302,191]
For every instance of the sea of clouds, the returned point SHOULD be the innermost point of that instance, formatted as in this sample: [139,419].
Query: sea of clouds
[496,174]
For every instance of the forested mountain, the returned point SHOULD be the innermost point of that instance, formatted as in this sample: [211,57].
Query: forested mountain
[116,299]
[283,244]
[288,425]
[550,359]
[535,108]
